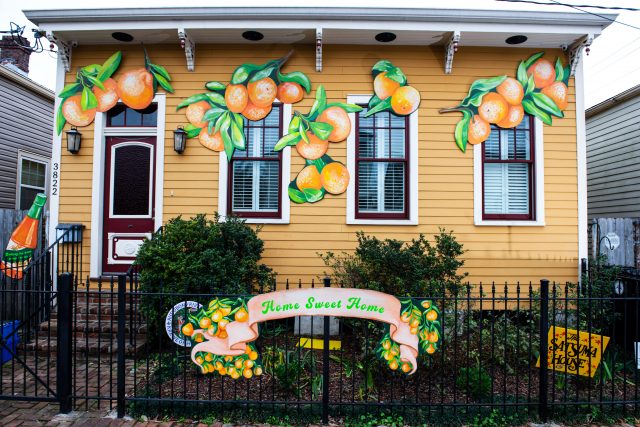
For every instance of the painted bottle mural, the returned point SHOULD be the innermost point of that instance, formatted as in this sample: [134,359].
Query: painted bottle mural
[24,240]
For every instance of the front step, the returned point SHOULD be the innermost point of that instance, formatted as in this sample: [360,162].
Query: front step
[91,346]
[94,329]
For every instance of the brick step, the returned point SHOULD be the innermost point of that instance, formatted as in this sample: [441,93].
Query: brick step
[90,346]
[93,329]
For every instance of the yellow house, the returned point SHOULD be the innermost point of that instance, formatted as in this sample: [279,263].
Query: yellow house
[516,199]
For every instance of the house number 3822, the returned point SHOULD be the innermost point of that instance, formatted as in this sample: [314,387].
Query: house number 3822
[55,176]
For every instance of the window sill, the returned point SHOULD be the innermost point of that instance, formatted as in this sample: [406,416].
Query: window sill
[509,223]
[353,221]
[261,220]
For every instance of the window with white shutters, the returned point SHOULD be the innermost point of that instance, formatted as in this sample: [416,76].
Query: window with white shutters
[255,173]
[508,173]
[382,166]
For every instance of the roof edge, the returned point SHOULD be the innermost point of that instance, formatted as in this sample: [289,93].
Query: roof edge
[612,102]
[27,83]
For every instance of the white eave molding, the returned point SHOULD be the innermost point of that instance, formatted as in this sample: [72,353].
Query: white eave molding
[576,49]
[319,50]
[452,48]
[189,47]
[64,49]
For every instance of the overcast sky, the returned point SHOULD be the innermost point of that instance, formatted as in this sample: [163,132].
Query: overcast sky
[612,66]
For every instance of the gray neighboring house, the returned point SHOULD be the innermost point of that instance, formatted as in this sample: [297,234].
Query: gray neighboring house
[613,156]
[26,128]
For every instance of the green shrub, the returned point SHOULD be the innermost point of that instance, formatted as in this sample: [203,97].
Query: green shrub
[416,268]
[479,381]
[200,256]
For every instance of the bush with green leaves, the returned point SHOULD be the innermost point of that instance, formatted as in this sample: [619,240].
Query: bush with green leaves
[417,268]
[475,380]
[200,256]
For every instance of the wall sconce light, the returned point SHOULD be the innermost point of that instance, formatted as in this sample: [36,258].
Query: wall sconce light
[73,140]
[179,140]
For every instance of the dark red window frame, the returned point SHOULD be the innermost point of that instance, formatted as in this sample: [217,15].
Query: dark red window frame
[532,174]
[404,160]
[256,214]
[121,108]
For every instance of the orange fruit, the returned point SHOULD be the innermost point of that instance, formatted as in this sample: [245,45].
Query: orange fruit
[253,355]
[257,371]
[216,316]
[248,363]
[290,92]
[247,373]
[426,304]
[393,365]
[544,73]
[263,92]
[414,331]
[187,329]
[223,323]
[479,130]
[195,112]
[406,367]
[513,118]
[212,142]
[74,114]
[222,371]
[339,119]
[239,364]
[383,86]
[335,178]
[199,360]
[433,337]
[108,97]
[314,149]
[208,357]
[198,337]
[241,315]
[255,113]
[494,107]
[557,91]
[432,315]
[222,334]
[225,310]
[236,97]
[405,100]
[309,177]
[511,90]
[431,349]
[205,322]
[405,316]
[135,88]
[414,323]
[386,345]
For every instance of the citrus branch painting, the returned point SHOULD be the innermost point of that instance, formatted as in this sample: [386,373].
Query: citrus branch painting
[539,89]
[221,333]
[94,91]
[392,91]
[216,117]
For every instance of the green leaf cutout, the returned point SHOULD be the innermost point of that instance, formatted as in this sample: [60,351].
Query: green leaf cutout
[212,114]
[303,133]
[349,108]
[91,69]
[60,120]
[382,65]
[110,66]
[296,195]
[381,106]
[237,136]
[312,195]
[531,108]
[239,119]
[397,75]
[374,101]
[192,131]
[95,82]
[530,86]
[242,73]
[521,74]
[289,139]
[162,82]
[462,131]
[479,88]
[321,130]
[263,74]
[559,71]
[220,121]
[545,103]
[319,104]
[296,77]
[159,69]
[567,74]
[192,100]
[321,162]
[226,139]
[88,100]
[533,58]
[294,124]
[70,89]
[215,86]
[216,98]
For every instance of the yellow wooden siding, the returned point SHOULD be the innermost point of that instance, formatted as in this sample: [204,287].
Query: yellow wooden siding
[445,174]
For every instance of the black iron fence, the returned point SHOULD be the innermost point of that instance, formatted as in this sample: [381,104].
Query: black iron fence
[104,344]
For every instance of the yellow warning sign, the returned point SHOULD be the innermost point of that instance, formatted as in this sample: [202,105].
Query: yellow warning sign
[318,344]
[573,352]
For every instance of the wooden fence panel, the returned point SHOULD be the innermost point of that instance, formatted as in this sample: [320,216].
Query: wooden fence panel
[627,229]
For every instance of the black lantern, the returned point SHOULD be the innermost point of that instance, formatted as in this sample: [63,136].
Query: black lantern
[179,140]
[73,140]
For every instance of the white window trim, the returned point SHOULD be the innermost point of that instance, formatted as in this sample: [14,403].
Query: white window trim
[223,176]
[25,155]
[413,170]
[97,184]
[539,185]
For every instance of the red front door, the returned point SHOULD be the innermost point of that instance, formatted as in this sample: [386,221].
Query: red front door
[129,183]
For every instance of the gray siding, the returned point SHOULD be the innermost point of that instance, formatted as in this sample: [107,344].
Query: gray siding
[613,161]
[26,123]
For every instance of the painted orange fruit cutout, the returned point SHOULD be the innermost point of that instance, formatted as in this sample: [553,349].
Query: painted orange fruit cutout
[135,88]
[339,119]
[262,92]
[335,178]
[479,130]
[513,118]
[405,100]
[558,93]
[254,113]
[543,72]
[74,114]
[314,149]
[236,97]
[290,92]
[196,111]
[511,90]
[212,142]
[494,108]
[309,177]
[383,86]
[106,98]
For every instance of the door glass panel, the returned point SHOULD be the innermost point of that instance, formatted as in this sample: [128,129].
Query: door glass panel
[131,173]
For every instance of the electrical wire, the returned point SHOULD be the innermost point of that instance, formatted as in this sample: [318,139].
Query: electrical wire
[632,9]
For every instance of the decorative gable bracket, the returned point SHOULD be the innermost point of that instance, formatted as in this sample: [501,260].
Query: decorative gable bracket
[452,48]
[575,51]
[64,49]
[189,48]
[319,50]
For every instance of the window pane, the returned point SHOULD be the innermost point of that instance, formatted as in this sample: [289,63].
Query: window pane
[150,115]
[381,187]
[394,187]
[120,115]
[115,116]
[131,174]
[365,122]
[366,146]
[492,146]
[508,139]
[27,196]
[134,118]
[523,145]
[268,190]
[381,119]
[506,188]
[271,136]
[382,143]
[33,173]
[397,121]
[242,186]
[397,143]
[368,187]
[273,119]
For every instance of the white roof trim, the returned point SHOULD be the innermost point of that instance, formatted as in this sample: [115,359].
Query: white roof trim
[27,83]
